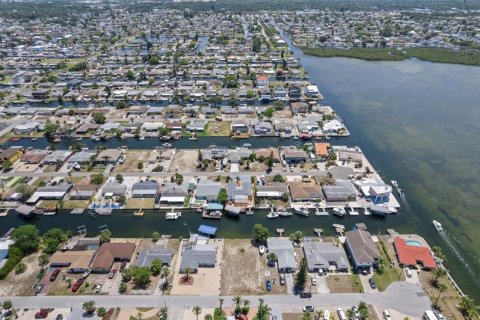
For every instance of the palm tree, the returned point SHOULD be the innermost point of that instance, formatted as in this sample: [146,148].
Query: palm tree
[319,314]
[350,314]
[468,308]
[221,302]
[187,274]
[441,288]
[165,273]
[236,302]
[438,273]
[306,316]
[196,311]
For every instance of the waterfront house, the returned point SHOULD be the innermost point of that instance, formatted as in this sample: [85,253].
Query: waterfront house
[413,254]
[333,126]
[340,191]
[27,127]
[207,189]
[374,190]
[146,257]
[74,260]
[111,252]
[152,126]
[11,154]
[83,192]
[272,191]
[263,127]
[198,255]
[262,81]
[265,94]
[145,189]
[323,255]
[349,154]
[239,190]
[82,157]
[294,156]
[35,156]
[299,107]
[239,126]
[302,191]
[40,94]
[113,189]
[311,91]
[196,125]
[172,193]
[322,150]
[108,156]
[56,192]
[362,250]
[283,250]
[308,126]
[294,92]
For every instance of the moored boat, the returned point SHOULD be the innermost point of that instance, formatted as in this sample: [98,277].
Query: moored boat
[172,215]
[379,210]
[272,215]
[302,211]
[212,215]
[437,226]
[339,211]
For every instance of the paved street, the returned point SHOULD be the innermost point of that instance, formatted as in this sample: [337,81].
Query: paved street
[401,296]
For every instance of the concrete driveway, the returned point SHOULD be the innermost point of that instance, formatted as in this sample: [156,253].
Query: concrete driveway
[366,285]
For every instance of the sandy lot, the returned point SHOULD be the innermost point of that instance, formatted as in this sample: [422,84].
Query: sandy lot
[21,284]
[132,160]
[184,161]
[239,259]
[206,281]
[135,203]
[223,128]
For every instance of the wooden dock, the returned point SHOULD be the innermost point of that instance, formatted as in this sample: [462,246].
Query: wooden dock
[280,232]
[318,232]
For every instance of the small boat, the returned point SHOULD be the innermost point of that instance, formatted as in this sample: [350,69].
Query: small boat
[261,249]
[138,213]
[141,138]
[302,211]
[379,210]
[338,226]
[14,139]
[327,137]
[395,185]
[104,211]
[339,211]
[166,145]
[284,213]
[79,139]
[95,138]
[366,211]
[272,215]
[77,211]
[77,166]
[172,215]
[34,139]
[212,215]
[437,226]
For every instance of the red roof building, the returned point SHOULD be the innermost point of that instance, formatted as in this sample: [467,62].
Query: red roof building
[411,255]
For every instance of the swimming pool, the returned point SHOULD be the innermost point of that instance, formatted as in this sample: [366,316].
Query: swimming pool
[414,243]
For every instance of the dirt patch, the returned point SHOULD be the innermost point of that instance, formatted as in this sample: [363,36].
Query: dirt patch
[21,284]
[219,129]
[132,160]
[240,257]
[142,203]
[184,161]
[343,284]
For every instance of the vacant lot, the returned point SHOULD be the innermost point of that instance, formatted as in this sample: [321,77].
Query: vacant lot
[21,284]
[132,160]
[390,272]
[74,204]
[140,203]
[245,271]
[219,129]
[344,283]
[184,161]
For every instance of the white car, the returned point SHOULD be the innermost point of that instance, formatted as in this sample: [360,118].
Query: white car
[408,272]
[386,315]
[314,281]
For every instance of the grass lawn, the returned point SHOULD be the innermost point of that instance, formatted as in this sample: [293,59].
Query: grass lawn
[136,203]
[344,283]
[390,273]
[75,204]
[7,79]
[224,129]
[48,204]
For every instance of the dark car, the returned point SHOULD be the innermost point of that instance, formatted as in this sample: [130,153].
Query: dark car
[372,283]
[112,274]
[39,288]
[55,274]
[77,285]
[123,266]
[268,284]
[308,309]
[305,295]
[42,314]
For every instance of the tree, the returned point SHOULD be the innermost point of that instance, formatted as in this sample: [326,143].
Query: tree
[101,312]
[272,258]
[301,276]
[96,179]
[141,276]
[236,303]
[363,310]
[43,260]
[140,166]
[306,316]
[441,288]
[256,44]
[105,236]
[7,305]
[89,307]
[197,311]
[25,191]
[52,239]
[296,236]
[222,196]
[26,238]
[278,178]
[245,306]
[20,268]
[50,128]
[186,276]
[98,118]
[156,267]
[7,165]
[269,112]
[122,288]
[319,314]
[165,273]
[130,75]
[438,274]
[119,178]
[155,236]
[468,307]
[270,161]
[260,233]
[263,311]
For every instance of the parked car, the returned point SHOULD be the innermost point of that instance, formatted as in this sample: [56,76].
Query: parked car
[408,272]
[308,309]
[98,288]
[356,312]
[386,315]
[42,314]
[112,274]
[314,281]
[282,279]
[77,285]
[55,274]
[268,285]
[372,283]
[123,266]
[59,317]
[305,295]
[320,272]
[39,288]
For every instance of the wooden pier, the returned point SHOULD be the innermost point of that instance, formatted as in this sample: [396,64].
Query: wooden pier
[280,232]
[318,232]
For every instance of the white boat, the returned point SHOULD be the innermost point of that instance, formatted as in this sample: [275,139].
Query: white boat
[167,145]
[381,211]
[284,213]
[172,215]
[396,186]
[366,211]
[339,211]
[261,249]
[142,138]
[438,226]
[353,212]
[272,215]
[302,211]
[95,138]
[338,226]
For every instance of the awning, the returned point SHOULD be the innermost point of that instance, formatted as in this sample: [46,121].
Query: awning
[214,206]
[207,230]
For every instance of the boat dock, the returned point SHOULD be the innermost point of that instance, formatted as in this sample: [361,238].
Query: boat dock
[280,232]
[318,232]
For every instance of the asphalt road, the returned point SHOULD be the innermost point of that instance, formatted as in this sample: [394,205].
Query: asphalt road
[404,297]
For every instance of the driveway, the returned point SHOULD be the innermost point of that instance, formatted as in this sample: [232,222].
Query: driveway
[366,284]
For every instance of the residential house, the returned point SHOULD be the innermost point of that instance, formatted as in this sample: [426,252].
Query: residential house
[323,255]
[172,193]
[239,190]
[413,255]
[283,250]
[361,249]
[196,125]
[303,191]
[299,107]
[294,156]
[263,127]
[375,190]
[262,81]
[341,191]
[114,189]
[239,126]
[27,127]
[145,189]
[83,191]
[199,255]
[272,191]
[207,189]
[108,156]
[11,154]
[57,192]
[82,157]
[111,252]
[322,150]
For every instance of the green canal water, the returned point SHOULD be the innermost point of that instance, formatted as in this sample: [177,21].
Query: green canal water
[417,122]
